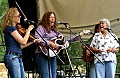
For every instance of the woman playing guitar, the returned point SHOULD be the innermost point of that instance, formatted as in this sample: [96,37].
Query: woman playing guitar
[88,56]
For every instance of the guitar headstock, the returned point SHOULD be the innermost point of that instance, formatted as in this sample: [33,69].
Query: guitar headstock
[80,34]
[84,32]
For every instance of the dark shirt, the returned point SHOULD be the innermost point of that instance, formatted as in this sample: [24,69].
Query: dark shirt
[10,42]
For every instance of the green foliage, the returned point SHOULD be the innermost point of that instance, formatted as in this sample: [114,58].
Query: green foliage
[118,62]
[75,51]
[75,54]
[3,7]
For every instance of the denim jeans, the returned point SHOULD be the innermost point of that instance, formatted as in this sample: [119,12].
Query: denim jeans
[106,70]
[14,65]
[92,73]
[44,67]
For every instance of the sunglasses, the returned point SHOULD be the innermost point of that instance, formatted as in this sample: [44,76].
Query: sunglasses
[18,16]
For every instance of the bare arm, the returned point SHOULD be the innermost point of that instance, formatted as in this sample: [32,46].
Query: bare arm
[114,50]
[26,45]
[30,43]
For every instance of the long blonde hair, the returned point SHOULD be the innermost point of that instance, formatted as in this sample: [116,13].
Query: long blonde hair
[7,18]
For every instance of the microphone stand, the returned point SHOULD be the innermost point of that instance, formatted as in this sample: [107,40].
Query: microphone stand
[71,67]
[48,47]
[81,41]
[113,35]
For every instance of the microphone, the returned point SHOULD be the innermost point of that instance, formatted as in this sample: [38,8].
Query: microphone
[29,21]
[62,23]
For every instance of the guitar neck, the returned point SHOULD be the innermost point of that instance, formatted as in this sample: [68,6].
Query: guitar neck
[77,36]
[73,38]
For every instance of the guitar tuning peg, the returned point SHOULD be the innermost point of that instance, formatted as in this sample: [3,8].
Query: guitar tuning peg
[86,31]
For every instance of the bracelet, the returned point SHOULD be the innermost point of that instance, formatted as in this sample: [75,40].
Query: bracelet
[34,41]
[112,50]
[96,50]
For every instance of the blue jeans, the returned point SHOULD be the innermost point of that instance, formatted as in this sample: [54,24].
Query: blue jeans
[14,65]
[42,63]
[92,73]
[106,70]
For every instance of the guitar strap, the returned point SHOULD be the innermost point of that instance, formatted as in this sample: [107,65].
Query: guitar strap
[39,49]
[57,34]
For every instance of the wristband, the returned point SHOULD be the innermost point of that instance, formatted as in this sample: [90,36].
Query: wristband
[34,41]
[97,50]
[112,50]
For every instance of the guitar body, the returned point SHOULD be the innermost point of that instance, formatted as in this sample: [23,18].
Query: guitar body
[87,58]
[59,41]
[61,44]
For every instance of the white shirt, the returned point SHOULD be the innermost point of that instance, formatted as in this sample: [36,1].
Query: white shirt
[99,42]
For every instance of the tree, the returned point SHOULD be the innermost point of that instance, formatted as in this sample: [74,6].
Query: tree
[3,7]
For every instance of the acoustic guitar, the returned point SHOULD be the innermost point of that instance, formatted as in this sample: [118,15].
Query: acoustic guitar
[61,43]
[90,57]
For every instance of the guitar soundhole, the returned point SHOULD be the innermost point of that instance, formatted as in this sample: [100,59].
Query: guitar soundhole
[59,42]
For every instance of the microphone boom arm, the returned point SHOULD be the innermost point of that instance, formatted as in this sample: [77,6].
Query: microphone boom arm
[81,41]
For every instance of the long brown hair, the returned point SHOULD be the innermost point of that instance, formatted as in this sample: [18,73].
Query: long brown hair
[7,18]
[45,22]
